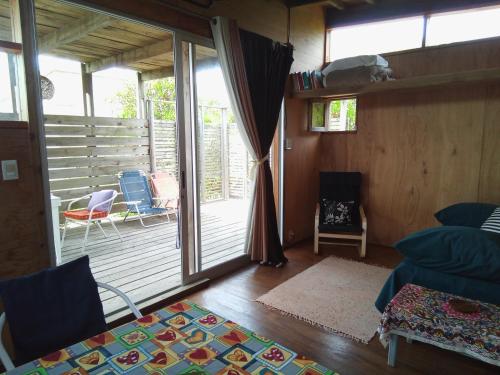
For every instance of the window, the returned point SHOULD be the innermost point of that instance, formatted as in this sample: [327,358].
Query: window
[453,27]
[376,37]
[338,115]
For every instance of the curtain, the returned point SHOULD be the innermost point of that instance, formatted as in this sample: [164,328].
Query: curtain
[255,70]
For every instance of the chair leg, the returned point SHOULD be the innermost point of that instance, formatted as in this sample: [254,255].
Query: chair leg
[363,245]
[116,229]
[316,240]
[86,236]
[126,215]
[102,230]
[64,233]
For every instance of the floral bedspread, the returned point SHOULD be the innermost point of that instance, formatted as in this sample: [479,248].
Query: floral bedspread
[426,315]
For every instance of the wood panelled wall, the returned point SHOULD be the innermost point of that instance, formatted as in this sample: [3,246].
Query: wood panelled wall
[23,249]
[422,150]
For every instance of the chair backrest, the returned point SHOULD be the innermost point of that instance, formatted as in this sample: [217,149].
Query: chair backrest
[52,309]
[99,197]
[340,187]
[135,187]
[165,185]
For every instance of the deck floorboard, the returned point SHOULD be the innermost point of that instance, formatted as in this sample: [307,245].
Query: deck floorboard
[147,262]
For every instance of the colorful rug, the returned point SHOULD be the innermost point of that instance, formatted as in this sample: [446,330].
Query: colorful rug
[182,338]
[336,294]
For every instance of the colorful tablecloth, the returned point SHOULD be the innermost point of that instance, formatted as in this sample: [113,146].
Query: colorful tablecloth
[183,338]
[426,315]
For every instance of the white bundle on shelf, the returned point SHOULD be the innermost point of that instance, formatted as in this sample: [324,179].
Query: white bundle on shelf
[356,71]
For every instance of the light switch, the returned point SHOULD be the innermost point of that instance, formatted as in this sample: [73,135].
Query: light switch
[9,170]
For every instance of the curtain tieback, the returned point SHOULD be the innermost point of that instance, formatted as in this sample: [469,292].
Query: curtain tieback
[256,163]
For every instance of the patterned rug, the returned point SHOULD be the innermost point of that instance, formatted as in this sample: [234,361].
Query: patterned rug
[183,338]
[336,294]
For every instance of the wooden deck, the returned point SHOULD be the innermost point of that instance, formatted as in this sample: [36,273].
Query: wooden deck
[146,263]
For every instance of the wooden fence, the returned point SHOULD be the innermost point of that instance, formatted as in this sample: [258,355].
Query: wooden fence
[86,153]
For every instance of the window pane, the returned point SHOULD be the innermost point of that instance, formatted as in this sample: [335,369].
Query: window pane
[66,77]
[376,37]
[461,26]
[342,115]
[318,115]
[5,86]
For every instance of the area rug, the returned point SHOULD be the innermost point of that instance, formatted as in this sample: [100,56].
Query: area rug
[336,294]
[183,338]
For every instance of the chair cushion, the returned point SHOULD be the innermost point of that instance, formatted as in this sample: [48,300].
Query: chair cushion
[348,229]
[99,197]
[336,212]
[52,309]
[465,214]
[85,214]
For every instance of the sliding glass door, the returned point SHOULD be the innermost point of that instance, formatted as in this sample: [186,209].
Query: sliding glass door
[217,166]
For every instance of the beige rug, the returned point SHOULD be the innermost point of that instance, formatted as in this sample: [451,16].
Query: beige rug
[336,294]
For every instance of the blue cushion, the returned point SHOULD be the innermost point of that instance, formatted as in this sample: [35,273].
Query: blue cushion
[465,214]
[52,309]
[462,251]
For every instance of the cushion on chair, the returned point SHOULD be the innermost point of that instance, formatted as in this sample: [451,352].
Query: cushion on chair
[84,214]
[347,229]
[337,212]
[52,309]
[99,197]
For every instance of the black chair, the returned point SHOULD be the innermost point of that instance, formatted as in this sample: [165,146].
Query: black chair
[53,309]
[339,213]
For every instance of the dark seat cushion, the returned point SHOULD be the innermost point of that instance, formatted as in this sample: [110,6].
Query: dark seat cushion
[52,309]
[348,229]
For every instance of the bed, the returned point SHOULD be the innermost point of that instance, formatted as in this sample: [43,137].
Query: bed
[408,272]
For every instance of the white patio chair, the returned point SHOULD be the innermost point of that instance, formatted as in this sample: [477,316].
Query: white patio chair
[90,215]
[4,356]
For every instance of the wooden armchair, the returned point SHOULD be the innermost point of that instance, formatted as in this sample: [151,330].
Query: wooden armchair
[339,214]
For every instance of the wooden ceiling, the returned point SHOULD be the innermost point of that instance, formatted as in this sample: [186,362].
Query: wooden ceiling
[337,4]
[98,40]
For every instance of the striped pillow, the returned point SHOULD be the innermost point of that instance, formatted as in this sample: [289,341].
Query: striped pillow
[492,224]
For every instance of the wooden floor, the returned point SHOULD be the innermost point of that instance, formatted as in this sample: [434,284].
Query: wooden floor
[147,263]
[234,298]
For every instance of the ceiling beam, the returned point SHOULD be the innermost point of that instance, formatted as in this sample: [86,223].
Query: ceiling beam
[130,56]
[338,4]
[73,32]
[165,72]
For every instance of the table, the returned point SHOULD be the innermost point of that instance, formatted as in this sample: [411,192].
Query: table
[183,338]
[426,315]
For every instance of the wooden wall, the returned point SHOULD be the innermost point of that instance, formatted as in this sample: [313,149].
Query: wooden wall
[307,34]
[23,249]
[422,150]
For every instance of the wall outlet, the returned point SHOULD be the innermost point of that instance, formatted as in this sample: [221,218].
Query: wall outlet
[9,170]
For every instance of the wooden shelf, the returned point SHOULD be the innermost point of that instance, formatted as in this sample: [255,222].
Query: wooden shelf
[436,80]
[10,47]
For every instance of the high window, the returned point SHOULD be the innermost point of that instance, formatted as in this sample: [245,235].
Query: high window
[413,32]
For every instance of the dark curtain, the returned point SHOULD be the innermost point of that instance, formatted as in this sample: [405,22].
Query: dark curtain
[267,66]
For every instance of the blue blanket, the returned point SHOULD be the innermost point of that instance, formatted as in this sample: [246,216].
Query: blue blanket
[408,272]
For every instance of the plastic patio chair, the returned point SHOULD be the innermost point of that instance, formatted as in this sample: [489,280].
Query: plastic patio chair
[73,279]
[138,198]
[166,189]
[98,209]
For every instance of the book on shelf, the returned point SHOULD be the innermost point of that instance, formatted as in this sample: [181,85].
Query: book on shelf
[309,80]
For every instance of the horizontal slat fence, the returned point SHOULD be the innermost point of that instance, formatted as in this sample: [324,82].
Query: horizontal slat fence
[86,154]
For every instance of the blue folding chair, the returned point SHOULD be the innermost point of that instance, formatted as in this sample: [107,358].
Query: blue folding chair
[138,198]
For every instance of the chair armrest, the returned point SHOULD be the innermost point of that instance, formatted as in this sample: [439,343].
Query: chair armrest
[125,298]
[4,356]
[76,200]
[364,223]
